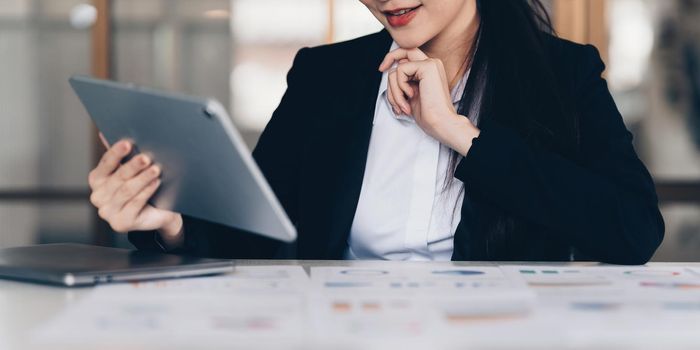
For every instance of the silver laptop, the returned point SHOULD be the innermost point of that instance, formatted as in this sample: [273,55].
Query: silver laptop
[207,170]
[79,265]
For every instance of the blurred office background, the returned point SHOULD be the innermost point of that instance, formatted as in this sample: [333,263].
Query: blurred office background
[239,52]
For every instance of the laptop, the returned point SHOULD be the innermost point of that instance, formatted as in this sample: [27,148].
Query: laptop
[73,265]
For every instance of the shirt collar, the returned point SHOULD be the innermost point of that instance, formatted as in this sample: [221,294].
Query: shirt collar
[456,92]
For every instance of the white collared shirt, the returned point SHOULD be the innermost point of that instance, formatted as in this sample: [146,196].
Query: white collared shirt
[404,211]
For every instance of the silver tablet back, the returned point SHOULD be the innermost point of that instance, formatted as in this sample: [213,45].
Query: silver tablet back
[207,170]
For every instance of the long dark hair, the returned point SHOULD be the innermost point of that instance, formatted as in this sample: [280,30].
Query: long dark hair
[512,83]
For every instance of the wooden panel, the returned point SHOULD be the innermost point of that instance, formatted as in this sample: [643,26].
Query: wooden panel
[598,31]
[101,67]
[101,40]
[570,18]
[330,30]
[582,21]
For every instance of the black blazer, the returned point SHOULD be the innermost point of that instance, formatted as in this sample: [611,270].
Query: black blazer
[314,149]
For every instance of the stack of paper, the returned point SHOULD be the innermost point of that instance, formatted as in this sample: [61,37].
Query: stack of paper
[388,305]
[255,305]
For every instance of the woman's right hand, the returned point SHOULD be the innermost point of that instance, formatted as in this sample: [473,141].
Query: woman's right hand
[121,192]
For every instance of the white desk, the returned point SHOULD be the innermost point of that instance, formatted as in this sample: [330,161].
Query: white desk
[25,307]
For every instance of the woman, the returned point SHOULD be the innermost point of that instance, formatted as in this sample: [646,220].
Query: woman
[463,131]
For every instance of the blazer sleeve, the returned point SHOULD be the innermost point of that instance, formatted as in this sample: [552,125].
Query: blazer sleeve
[278,154]
[605,205]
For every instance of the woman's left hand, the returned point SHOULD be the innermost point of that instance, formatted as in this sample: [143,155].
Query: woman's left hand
[418,87]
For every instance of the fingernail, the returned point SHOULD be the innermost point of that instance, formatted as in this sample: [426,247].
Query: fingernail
[155,170]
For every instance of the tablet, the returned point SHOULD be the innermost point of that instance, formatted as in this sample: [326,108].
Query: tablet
[73,265]
[207,170]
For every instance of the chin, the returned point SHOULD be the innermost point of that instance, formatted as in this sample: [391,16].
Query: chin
[408,40]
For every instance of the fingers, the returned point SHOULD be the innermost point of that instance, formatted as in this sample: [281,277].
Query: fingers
[131,210]
[402,80]
[392,102]
[112,210]
[142,216]
[103,193]
[110,161]
[133,167]
[408,72]
[121,191]
[398,88]
[417,71]
[398,94]
[133,187]
[400,54]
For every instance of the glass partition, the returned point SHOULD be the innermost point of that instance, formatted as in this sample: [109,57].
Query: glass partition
[654,75]
[45,144]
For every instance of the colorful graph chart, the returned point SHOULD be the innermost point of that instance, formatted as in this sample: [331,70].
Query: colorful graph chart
[458,272]
[652,273]
[672,285]
[364,272]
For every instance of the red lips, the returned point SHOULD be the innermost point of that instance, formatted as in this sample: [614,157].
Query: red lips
[400,17]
